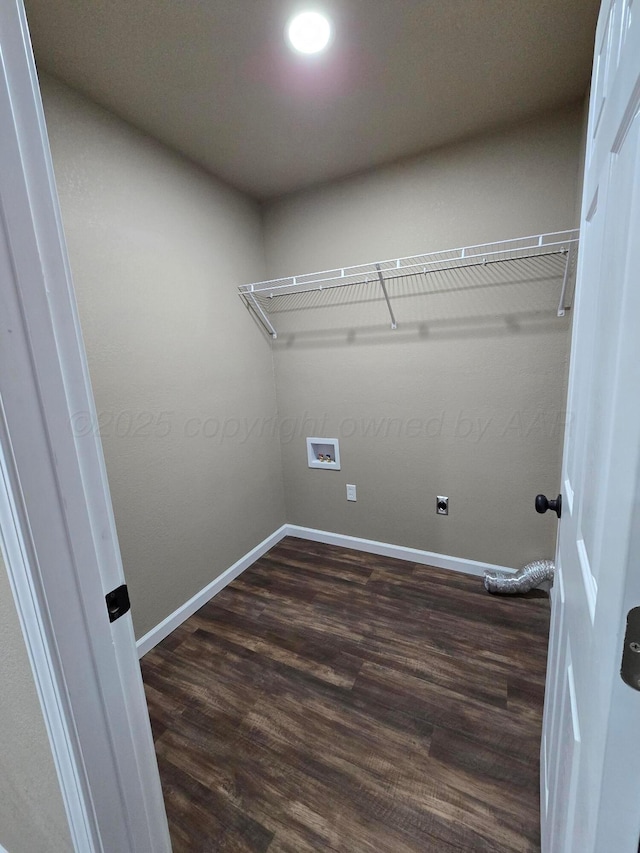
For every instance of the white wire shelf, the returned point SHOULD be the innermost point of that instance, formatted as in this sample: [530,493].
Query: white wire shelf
[557,251]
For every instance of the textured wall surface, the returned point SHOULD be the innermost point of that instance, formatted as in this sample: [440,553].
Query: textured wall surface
[32,815]
[183,379]
[466,397]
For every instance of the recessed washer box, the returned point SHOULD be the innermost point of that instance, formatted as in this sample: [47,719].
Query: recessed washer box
[323,453]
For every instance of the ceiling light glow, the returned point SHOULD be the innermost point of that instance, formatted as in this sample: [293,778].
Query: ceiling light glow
[309,32]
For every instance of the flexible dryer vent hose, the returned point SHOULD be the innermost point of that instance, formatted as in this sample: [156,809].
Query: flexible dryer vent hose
[531,576]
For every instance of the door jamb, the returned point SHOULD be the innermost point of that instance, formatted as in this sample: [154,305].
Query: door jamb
[57,528]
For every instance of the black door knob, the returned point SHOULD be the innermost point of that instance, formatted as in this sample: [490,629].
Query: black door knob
[543,504]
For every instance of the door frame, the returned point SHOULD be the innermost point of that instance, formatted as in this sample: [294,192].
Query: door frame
[58,534]
[57,529]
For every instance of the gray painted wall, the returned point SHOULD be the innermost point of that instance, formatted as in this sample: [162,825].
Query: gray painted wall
[466,398]
[32,815]
[183,379]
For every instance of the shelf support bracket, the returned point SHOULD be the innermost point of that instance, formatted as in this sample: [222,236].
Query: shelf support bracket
[253,302]
[394,325]
[563,293]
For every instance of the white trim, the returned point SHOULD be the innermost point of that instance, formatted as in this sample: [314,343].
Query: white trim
[16,561]
[3,850]
[164,628]
[400,552]
[384,549]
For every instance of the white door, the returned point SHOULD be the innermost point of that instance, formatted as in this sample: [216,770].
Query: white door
[56,521]
[590,756]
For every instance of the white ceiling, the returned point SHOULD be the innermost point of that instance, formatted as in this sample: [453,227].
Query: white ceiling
[215,79]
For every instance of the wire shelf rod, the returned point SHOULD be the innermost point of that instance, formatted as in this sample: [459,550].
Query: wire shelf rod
[559,244]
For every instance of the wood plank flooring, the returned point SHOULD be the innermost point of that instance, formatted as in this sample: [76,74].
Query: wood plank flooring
[334,700]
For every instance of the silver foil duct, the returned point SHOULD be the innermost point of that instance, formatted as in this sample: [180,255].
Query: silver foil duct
[531,576]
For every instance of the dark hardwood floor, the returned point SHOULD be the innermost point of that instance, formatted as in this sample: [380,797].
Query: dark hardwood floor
[334,700]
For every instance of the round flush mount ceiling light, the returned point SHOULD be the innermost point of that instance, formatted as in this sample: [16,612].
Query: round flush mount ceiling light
[309,32]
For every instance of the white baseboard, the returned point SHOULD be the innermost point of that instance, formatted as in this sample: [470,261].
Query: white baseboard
[164,628]
[384,549]
[400,552]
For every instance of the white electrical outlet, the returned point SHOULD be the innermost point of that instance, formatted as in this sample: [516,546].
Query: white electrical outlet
[351,492]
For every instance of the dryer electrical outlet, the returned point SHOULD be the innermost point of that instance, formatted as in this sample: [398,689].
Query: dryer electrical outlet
[351,492]
[442,505]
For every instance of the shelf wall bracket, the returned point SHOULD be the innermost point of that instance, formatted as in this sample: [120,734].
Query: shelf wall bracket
[253,302]
[394,325]
[565,279]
